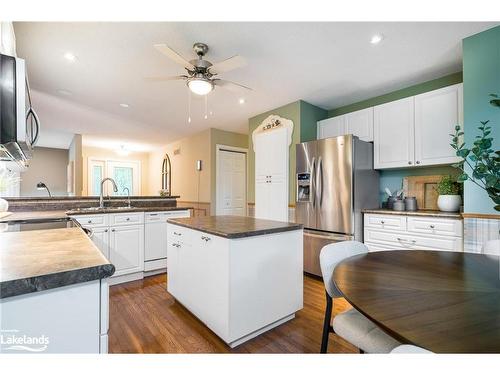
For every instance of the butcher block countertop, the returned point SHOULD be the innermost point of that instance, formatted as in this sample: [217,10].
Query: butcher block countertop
[432,213]
[37,260]
[235,226]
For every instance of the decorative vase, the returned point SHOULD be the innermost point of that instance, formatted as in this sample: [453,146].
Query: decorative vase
[4,205]
[449,203]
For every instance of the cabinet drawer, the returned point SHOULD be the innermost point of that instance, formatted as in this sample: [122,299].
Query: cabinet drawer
[391,222]
[409,241]
[437,226]
[126,218]
[176,233]
[91,220]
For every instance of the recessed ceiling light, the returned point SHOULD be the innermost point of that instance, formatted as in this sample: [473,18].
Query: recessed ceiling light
[124,105]
[242,101]
[69,56]
[65,92]
[376,39]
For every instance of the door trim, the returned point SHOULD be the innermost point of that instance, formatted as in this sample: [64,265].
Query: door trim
[218,149]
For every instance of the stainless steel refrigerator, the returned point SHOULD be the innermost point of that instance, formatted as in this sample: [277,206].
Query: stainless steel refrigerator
[335,181]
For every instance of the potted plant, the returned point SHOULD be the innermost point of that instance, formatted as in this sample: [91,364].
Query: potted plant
[7,180]
[480,163]
[449,194]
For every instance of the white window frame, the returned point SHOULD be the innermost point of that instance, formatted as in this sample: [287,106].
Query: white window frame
[107,165]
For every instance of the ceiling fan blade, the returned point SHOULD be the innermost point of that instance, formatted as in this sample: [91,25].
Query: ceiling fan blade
[161,79]
[227,65]
[231,86]
[171,54]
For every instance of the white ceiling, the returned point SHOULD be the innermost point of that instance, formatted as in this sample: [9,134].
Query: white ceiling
[326,64]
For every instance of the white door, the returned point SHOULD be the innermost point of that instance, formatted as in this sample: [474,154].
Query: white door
[360,124]
[393,139]
[231,183]
[332,127]
[126,174]
[436,115]
[100,237]
[126,250]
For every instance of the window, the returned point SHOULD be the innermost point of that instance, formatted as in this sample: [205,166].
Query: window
[127,174]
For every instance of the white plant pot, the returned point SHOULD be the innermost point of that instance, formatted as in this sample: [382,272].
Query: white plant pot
[449,203]
[4,205]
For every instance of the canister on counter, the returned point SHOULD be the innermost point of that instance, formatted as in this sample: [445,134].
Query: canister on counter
[411,204]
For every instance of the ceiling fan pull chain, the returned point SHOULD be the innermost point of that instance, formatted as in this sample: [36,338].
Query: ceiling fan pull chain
[206,107]
[189,106]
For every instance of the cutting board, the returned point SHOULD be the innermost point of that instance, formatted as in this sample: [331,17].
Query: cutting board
[424,189]
[4,214]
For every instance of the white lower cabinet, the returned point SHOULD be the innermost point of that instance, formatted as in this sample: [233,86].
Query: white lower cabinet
[401,232]
[126,249]
[68,319]
[134,242]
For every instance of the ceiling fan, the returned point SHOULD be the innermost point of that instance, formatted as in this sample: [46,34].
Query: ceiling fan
[201,73]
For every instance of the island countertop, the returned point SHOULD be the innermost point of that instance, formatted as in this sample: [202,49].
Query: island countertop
[235,226]
[38,260]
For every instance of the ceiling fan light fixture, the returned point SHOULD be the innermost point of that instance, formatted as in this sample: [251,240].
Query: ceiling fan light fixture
[200,86]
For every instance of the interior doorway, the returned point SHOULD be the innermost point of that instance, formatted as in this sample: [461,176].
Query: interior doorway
[231,180]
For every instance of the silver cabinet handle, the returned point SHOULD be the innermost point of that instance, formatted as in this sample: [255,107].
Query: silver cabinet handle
[105,231]
[409,163]
[431,226]
[205,238]
[418,162]
[89,221]
[112,230]
[382,222]
[178,234]
[127,219]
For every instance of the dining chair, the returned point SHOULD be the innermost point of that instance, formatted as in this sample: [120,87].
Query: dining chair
[409,349]
[491,247]
[351,325]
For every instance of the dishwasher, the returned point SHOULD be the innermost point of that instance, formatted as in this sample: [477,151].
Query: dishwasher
[155,238]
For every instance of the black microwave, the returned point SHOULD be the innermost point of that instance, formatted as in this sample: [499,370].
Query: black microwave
[19,124]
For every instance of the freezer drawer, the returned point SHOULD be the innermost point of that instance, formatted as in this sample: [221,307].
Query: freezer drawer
[314,241]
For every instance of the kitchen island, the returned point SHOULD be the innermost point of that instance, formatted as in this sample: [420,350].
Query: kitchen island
[240,276]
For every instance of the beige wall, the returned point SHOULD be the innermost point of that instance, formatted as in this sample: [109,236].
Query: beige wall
[75,156]
[49,165]
[103,153]
[184,174]
[200,146]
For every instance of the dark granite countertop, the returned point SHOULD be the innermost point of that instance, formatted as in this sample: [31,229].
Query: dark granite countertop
[235,226]
[385,211]
[62,214]
[114,210]
[38,260]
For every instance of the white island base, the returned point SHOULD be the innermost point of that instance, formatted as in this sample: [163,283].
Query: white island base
[238,287]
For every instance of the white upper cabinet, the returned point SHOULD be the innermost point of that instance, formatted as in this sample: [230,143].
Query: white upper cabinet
[360,124]
[394,134]
[331,127]
[436,114]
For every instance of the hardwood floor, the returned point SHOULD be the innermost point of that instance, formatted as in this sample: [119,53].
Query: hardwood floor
[145,318]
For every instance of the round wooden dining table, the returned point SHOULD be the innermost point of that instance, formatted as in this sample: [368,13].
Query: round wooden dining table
[445,302]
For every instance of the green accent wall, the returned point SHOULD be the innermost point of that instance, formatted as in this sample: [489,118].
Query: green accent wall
[481,64]
[309,116]
[304,117]
[399,94]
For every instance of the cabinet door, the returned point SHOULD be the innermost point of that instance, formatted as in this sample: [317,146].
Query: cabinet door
[262,146]
[100,237]
[155,240]
[360,124]
[394,134]
[262,199]
[126,250]
[332,127]
[278,200]
[436,115]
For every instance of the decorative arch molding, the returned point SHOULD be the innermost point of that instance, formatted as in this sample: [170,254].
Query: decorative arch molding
[273,122]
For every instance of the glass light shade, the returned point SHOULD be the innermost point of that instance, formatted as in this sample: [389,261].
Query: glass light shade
[200,86]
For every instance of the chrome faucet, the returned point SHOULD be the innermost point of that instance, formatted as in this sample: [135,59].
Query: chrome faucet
[101,197]
[128,196]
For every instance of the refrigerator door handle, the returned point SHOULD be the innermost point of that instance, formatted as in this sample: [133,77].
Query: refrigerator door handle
[313,184]
[320,174]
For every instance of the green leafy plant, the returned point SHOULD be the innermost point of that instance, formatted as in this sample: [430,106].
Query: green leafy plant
[448,186]
[482,160]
